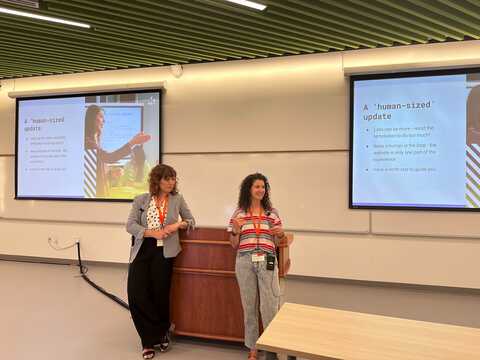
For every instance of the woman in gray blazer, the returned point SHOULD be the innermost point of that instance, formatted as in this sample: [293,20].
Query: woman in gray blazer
[154,224]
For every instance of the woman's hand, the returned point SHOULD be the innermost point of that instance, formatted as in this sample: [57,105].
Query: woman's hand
[170,229]
[174,227]
[161,234]
[158,234]
[237,224]
[139,139]
[277,231]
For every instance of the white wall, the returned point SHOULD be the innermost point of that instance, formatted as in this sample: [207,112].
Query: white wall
[286,117]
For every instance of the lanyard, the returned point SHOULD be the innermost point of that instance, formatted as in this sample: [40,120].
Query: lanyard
[162,210]
[256,225]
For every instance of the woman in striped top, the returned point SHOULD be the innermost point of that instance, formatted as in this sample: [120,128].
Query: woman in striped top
[255,230]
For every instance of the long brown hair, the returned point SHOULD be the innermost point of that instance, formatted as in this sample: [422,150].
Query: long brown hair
[473,114]
[91,123]
[159,172]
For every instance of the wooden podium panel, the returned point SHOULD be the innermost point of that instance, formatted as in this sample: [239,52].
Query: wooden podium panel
[205,298]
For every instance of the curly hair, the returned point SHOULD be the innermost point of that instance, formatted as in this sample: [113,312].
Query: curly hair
[159,172]
[245,197]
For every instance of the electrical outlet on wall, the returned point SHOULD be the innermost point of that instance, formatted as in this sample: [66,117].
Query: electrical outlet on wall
[52,239]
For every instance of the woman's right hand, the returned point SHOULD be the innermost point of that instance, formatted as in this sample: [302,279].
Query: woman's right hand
[237,224]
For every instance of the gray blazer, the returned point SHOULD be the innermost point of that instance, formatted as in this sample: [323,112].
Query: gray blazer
[137,223]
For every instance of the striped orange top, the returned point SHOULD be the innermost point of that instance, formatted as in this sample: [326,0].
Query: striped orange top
[249,241]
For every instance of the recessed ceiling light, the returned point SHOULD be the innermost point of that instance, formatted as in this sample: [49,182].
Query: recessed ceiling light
[42,17]
[251,4]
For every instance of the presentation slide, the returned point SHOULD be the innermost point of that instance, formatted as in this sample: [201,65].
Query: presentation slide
[88,147]
[416,140]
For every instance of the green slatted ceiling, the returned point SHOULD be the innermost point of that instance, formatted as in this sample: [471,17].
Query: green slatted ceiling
[143,33]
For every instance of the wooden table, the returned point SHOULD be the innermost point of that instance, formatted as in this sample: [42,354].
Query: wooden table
[320,333]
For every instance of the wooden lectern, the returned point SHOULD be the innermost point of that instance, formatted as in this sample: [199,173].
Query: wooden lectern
[205,298]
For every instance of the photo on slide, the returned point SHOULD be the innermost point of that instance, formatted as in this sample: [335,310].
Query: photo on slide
[472,190]
[104,143]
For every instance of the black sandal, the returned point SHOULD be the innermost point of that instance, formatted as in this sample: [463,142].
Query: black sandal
[148,353]
[165,343]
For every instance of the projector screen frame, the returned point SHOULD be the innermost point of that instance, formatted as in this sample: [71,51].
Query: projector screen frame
[396,75]
[102,92]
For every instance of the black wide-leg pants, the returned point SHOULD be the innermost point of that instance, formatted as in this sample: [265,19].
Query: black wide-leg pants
[148,288]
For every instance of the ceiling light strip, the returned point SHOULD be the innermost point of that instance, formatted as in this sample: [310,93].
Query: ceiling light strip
[42,17]
[250,4]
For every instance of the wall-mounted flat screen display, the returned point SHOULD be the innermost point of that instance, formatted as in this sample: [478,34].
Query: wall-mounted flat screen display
[415,140]
[97,146]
